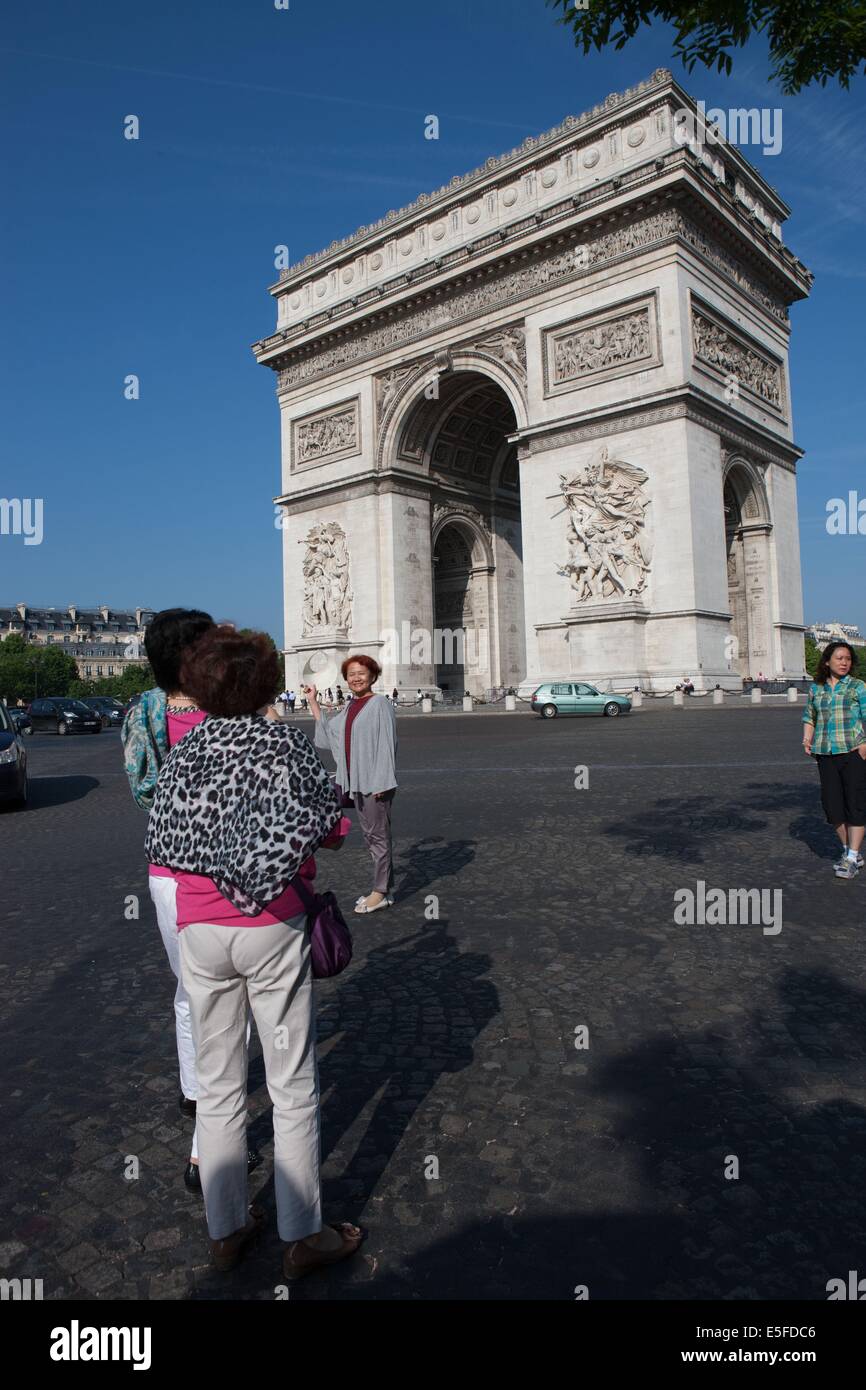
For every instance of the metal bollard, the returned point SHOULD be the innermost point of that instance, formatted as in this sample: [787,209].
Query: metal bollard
[793,694]
[511,702]
[636,699]
[467,704]
[756,694]
[718,697]
[679,698]
[426,705]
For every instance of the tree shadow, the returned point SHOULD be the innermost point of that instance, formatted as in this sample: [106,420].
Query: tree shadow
[676,827]
[409,1014]
[791,1220]
[810,827]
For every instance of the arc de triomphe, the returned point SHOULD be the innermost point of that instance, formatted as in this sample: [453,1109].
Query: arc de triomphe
[547,408]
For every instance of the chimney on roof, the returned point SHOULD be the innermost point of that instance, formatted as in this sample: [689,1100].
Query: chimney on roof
[104,611]
[22,610]
[73,612]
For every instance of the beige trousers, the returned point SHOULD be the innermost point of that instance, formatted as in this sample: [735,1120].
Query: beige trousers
[225,969]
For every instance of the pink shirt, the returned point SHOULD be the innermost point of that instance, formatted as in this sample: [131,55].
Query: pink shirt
[199,899]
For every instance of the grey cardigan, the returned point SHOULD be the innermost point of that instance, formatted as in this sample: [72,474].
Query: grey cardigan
[374,746]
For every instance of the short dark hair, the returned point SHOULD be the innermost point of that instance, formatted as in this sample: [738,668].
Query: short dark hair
[823,670]
[230,673]
[167,637]
[372,666]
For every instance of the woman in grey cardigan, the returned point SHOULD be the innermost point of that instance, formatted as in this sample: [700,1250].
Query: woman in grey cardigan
[362,737]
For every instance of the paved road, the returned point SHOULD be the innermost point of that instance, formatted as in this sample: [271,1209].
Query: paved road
[454,1039]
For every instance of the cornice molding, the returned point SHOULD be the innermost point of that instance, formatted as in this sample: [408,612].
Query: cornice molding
[568,258]
[660,88]
[687,403]
[784,277]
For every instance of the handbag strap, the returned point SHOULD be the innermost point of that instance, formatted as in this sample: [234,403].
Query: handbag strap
[303,893]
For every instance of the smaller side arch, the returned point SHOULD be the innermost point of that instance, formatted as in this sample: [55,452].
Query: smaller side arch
[743,480]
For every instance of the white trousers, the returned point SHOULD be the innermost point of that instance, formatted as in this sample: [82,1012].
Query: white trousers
[227,970]
[163,891]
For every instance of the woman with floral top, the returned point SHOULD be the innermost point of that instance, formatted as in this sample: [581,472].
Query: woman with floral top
[834,732]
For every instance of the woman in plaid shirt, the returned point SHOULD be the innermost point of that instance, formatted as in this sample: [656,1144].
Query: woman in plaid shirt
[834,730]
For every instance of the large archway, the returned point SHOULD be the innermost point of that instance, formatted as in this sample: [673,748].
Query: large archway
[747,529]
[457,431]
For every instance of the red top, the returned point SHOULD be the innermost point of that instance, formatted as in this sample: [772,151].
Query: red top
[357,704]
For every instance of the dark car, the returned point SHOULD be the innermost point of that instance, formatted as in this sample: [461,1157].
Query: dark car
[110,710]
[21,719]
[63,715]
[14,786]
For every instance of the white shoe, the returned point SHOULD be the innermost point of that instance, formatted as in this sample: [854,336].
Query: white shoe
[361,905]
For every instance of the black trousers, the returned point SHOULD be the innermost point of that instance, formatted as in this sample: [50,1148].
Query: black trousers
[843,787]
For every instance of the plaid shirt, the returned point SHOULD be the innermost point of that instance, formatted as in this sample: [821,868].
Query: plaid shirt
[839,715]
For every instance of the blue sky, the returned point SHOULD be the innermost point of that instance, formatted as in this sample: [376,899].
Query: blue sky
[261,127]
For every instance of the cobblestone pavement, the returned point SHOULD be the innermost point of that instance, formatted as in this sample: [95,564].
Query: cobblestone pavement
[454,1039]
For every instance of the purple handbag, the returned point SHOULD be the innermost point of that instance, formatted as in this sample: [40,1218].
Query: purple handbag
[330,938]
[346,801]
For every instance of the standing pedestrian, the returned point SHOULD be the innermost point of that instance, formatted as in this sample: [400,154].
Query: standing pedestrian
[291,697]
[362,738]
[834,732]
[244,941]
[152,726]
[395,696]
[339,696]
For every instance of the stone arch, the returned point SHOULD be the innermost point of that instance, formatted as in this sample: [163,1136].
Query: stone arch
[743,484]
[411,407]
[747,529]
[475,535]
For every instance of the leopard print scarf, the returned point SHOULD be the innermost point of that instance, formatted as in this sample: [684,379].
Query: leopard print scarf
[242,801]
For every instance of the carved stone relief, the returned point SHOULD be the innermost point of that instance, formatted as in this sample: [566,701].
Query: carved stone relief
[328,435]
[608,550]
[509,345]
[327,596]
[513,285]
[728,354]
[600,345]
[388,387]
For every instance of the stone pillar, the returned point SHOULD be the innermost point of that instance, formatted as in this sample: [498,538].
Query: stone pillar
[510,702]
[756,694]
[426,705]
[467,704]
[679,698]
[793,694]
[718,697]
[636,699]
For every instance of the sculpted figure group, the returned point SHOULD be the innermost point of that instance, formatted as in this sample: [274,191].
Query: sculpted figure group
[608,555]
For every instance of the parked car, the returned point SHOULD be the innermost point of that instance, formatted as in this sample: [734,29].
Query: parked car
[62,715]
[21,719]
[14,785]
[576,697]
[110,710]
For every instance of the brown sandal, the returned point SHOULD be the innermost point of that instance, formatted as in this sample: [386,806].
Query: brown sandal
[299,1259]
[227,1252]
